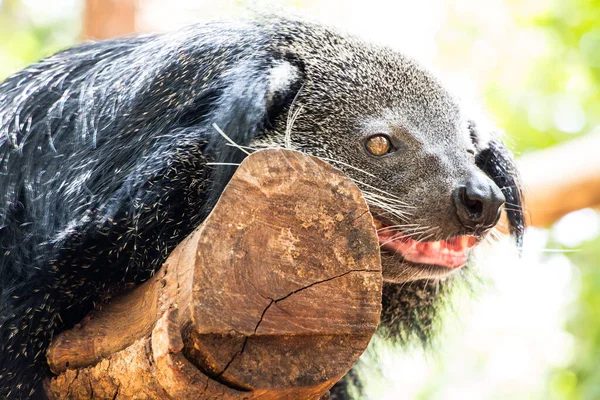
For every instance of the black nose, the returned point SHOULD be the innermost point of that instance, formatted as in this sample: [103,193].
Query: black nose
[478,202]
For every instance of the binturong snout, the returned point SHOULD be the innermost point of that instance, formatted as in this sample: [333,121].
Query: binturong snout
[478,202]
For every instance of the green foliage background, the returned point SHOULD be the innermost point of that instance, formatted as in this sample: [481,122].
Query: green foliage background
[581,379]
[569,67]
[24,40]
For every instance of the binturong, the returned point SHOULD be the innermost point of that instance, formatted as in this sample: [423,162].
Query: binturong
[111,154]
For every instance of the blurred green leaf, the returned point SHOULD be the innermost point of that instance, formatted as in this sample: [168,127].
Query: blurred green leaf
[24,41]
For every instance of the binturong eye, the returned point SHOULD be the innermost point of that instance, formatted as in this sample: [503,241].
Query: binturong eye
[379,145]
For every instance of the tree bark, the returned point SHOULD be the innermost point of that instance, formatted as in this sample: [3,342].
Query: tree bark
[561,179]
[274,296]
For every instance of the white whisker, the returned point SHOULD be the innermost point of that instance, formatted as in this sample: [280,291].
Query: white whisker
[222,163]
[560,250]
[347,165]
[382,191]
[291,119]
[384,209]
[287,139]
[385,199]
[401,234]
[397,227]
[424,238]
[216,127]
[241,147]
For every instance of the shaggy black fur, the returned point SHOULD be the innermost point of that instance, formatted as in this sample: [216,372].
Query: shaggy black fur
[103,153]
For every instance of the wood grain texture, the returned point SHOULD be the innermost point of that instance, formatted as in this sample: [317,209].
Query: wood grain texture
[275,295]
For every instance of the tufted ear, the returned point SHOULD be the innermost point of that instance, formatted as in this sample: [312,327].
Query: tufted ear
[497,162]
[254,93]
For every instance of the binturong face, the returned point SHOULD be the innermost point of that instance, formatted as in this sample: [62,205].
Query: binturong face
[430,201]
[435,180]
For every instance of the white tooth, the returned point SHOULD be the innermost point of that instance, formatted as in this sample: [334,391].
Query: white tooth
[435,246]
[464,242]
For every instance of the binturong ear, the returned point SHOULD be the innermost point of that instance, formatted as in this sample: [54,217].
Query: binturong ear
[497,162]
[254,93]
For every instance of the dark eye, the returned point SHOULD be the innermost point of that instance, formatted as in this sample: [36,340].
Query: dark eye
[379,145]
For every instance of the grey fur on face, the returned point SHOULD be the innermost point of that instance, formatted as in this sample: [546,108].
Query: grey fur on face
[351,91]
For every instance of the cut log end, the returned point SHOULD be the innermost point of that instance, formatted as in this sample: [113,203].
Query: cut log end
[275,295]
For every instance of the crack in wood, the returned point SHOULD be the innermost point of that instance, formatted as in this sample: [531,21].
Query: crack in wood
[275,301]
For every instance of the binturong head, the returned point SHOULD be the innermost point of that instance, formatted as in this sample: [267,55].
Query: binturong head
[435,178]
[110,158]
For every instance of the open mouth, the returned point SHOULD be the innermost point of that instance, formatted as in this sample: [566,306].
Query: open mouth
[451,253]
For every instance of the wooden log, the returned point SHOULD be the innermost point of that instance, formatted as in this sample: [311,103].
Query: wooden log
[274,296]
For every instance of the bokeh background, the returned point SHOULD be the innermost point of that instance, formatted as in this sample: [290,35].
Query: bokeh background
[531,330]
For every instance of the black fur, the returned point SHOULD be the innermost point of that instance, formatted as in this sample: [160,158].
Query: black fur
[497,162]
[100,182]
[103,169]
